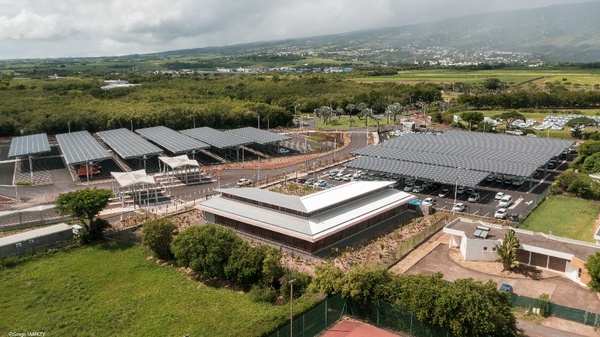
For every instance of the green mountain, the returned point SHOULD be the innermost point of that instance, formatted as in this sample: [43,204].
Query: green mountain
[566,33]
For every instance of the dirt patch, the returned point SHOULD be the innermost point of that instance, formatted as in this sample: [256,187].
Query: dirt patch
[496,268]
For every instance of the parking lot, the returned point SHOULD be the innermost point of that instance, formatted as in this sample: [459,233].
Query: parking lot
[486,205]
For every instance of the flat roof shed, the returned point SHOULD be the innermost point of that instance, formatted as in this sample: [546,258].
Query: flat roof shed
[216,138]
[29,146]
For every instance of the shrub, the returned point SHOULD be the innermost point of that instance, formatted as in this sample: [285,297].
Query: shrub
[301,282]
[95,232]
[157,236]
[245,264]
[263,294]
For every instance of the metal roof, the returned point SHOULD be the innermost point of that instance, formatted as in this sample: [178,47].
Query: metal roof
[80,147]
[490,153]
[127,144]
[311,203]
[216,138]
[445,175]
[173,141]
[259,136]
[311,228]
[29,145]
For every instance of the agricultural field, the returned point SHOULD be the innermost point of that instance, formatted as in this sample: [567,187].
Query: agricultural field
[567,217]
[111,289]
[575,77]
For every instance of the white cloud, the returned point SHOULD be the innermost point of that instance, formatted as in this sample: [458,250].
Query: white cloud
[117,27]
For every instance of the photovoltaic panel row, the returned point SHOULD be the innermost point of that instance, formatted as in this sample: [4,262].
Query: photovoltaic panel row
[29,145]
[173,141]
[261,137]
[80,147]
[462,139]
[216,138]
[472,161]
[440,174]
[127,144]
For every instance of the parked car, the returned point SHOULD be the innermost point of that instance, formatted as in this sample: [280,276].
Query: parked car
[409,186]
[347,177]
[310,181]
[300,180]
[506,201]
[320,183]
[500,213]
[499,195]
[475,197]
[506,288]
[428,202]
[490,179]
[283,150]
[445,192]
[460,190]
[244,182]
[459,207]
[418,188]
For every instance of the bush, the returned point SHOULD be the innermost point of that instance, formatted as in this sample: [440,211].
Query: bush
[95,233]
[301,282]
[205,249]
[245,264]
[328,279]
[157,236]
[263,294]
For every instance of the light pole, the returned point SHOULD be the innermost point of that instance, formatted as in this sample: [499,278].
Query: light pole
[292,307]
[455,188]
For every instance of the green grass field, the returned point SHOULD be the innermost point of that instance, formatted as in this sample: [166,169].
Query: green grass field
[567,217]
[112,290]
[582,77]
[344,122]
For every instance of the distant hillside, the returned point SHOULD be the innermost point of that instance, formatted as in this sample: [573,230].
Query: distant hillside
[567,33]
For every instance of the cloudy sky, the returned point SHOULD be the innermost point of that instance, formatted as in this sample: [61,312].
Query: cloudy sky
[70,28]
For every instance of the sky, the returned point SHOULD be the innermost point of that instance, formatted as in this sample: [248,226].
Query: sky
[87,28]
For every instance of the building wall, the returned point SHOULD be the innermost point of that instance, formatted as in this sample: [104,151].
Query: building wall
[576,264]
[304,244]
[480,250]
[37,244]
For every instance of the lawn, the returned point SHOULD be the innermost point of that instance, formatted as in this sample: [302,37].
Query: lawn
[111,289]
[343,122]
[567,217]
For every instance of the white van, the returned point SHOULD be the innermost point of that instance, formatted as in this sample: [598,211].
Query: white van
[506,201]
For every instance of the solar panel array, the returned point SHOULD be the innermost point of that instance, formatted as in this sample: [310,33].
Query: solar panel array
[127,144]
[216,138]
[259,136]
[445,175]
[173,141]
[29,145]
[80,147]
[500,154]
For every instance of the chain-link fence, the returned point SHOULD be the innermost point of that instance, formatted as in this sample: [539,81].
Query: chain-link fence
[384,314]
[315,320]
[557,310]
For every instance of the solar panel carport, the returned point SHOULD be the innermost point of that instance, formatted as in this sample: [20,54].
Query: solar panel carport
[81,148]
[173,141]
[445,175]
[127,144]
[488,153]
[218,139]
[259,136]
[30,146]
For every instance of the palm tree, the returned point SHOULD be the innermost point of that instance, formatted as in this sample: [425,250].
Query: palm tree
[507,250]
[393,110]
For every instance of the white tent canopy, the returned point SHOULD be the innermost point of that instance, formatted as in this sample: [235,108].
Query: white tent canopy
[134,178]
[180,167]
[138,184]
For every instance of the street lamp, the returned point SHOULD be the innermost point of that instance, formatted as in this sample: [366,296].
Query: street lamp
[292,307]
[455,188]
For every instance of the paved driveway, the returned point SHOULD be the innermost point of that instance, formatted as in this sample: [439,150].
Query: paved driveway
[561,290]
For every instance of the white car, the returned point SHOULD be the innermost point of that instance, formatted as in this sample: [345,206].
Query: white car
[506,201]
[418,189]
[428,202]
[474,197]
[283,150]
[459,207]
[499,195]
[500,213]
[244,182]
[460,190]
